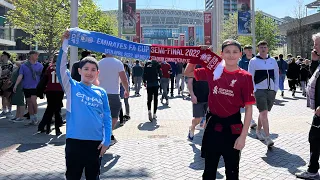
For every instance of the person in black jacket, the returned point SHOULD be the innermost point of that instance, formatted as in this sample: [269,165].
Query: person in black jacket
[293,75]
[151,75]
[74,72]
[304,76]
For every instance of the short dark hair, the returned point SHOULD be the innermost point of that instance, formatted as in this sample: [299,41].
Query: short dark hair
[6,54]
[289,55]
[85,53]
[90,60]
[276,57]
[247,47]
[104,55]
[137,61]
[33,52]
[280,56]
[263,43]
[55,57]
[229,42]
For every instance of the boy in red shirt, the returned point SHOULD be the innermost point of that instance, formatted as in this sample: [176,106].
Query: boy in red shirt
[54,94]
[232,89]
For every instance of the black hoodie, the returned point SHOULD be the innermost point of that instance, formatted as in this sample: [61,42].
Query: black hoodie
[152,73]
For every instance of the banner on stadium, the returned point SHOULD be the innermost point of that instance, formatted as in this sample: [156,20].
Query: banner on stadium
[182,40]
[137,37]
[191,36]
[244,17]
[207,28]
[128,17]
[104,43]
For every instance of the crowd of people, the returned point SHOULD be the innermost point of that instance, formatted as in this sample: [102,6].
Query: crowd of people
[94,91]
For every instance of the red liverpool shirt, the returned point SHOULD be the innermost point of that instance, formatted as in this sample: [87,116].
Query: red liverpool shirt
[165,70]
[229,93]
[53,82]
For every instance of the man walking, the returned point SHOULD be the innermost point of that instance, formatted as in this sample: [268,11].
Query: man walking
[151,74]
[244,64]
[265,75]
[313,100]
[199,91]
[137,73]
[164,81]
[180,77]
[111,69]
[30,73]
[283,67]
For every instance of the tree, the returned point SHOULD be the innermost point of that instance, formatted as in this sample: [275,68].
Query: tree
[265,28]
[45,20]
[299,32]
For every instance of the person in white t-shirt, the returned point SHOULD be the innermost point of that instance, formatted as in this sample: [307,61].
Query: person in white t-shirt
[111,71]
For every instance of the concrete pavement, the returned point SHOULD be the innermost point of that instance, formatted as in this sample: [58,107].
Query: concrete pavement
[160,150]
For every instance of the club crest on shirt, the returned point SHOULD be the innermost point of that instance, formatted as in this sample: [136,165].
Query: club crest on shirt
[233,82]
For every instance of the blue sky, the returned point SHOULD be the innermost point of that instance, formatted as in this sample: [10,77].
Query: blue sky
[278,8]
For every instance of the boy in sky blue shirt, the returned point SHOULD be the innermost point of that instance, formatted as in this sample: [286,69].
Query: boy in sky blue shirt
[88,127]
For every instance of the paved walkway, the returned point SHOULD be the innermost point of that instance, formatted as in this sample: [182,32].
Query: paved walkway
[160,150]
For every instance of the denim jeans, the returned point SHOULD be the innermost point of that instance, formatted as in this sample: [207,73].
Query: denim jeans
[282,77]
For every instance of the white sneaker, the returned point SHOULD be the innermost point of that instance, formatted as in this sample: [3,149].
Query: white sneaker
[253,124]
[9,115]
[259,136]
[307,175]
[269,141]
[199,127]
[154,116]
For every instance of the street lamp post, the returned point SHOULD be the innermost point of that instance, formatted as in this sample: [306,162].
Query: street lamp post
[253,29]
[74,23]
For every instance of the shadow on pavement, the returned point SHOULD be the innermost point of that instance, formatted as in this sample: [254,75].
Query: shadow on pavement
[253,135]
[109,161]
[198,161]
[278,157]
[148,126]
[163,107]
[279,102]
[46,139]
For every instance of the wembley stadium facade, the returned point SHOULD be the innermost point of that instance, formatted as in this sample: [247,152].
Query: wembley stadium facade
[162,26]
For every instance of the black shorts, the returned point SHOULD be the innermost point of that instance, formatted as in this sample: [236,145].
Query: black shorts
[30,92]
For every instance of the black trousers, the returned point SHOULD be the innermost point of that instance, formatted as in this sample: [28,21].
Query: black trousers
[54,99]
[314,140]
[82,154]
[152,95]
[218,140]
[292,84]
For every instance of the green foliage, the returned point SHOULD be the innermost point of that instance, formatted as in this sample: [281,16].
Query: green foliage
[265,29]
[46,20]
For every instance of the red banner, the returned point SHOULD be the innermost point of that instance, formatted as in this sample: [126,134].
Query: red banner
[182,39]
[137,37]
[207,28]
[192,54]
[176,42]
[191,38]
